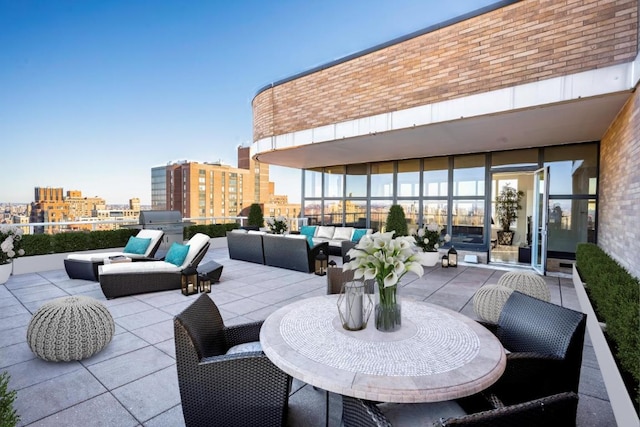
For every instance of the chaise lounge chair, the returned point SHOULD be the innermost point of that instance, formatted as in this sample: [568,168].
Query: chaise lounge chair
[131,278]
[85,265]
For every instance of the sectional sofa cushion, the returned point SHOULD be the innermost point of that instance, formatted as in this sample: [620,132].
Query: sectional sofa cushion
[177,253]
[343,233]
[325,232]
[136,245]
[301,237]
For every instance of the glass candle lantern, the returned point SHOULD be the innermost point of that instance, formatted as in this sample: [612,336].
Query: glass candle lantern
[189,281]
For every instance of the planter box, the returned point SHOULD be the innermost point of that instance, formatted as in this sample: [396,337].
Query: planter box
[621,403]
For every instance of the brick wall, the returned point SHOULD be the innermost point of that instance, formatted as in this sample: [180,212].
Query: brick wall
[524,42]
[619,188]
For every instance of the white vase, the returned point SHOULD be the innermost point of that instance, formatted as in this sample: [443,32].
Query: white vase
[5,272]
[431,258]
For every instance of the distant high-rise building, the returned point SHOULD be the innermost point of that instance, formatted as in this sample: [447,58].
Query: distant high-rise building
[201,190]
[48,206]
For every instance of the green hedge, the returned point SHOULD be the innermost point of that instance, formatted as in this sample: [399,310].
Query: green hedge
[614,294]
[43,244]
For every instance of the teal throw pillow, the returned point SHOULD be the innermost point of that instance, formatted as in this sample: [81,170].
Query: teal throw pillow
[310,241]
[177,253]
[357,234]
[137,245]
[308,230]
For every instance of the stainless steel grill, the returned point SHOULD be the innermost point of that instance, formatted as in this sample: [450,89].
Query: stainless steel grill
[170,222]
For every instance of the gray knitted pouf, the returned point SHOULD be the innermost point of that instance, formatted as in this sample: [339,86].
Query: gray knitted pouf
[70,328]
[526,282]
[489,300]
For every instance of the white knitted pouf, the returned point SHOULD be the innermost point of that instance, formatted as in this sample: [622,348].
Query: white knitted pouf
[489,300]
[526,282]
[70,328]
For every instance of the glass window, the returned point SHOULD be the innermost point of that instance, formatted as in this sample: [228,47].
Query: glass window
[572,169]
[382,179]
[436,177]
[356,180]
[468,175]
[435,211]
[468,221]
[333,212]
[313,211]
[356,213]
[410,208]
[408,178]
[334,181]
[312,183]
[379,213]
[570,222]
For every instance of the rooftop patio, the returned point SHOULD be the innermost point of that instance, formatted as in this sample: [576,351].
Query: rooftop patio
[133,381]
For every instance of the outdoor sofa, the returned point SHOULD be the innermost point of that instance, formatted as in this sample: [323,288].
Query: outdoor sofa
[334,236]
[291,251]
[85,265]
[131,278]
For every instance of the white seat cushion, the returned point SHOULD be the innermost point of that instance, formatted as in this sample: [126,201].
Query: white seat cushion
[245,347]
[139,267]
[342,233]
[325,232]
[154,235]
[195,243]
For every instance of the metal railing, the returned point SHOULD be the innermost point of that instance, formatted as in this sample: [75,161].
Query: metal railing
[111,224]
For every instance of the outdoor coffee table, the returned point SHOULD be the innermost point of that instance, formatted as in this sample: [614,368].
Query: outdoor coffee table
[437,355]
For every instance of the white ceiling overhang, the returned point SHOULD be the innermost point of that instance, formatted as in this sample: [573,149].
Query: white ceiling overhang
[567,109]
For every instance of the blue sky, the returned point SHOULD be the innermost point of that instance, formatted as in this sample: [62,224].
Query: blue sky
[93,94]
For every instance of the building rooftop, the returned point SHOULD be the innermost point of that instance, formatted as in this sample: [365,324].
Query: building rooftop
[133,381]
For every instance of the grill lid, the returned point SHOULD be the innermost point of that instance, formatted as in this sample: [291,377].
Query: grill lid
[160,217]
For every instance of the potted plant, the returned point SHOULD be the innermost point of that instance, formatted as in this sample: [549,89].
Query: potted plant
[396,221]
[430,239]
[507,207]
[256,217]
[10,248]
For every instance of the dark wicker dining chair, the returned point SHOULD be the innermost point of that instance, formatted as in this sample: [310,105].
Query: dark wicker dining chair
[219,389]
[556,410]
[545,343]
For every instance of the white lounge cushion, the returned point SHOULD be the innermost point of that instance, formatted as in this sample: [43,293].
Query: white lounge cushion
[96,256]
[154,235]
[262,233]
[343,233]
[139,267]
[196,243]
[325,232]
[239,231]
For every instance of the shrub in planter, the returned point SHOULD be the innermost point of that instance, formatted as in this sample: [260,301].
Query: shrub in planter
[256,217]
[37,244]
[614,294]
[8,415]
[507,207]
[396,221]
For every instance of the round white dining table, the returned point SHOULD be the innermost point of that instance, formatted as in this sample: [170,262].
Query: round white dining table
[438,354]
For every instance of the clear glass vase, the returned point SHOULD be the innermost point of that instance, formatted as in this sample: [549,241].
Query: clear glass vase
[388,310]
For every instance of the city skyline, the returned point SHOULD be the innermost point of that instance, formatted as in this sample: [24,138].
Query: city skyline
[93,95]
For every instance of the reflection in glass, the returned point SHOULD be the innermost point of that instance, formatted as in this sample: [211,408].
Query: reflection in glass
[468,221]
[572,169]
[379,213]
[312,183]
[356,213]
[356,180]
[382,179]
[313,211]
[409,178]
[333,212]
[436,177]
[411,208]
[570,222]
[333,181]
[468,176]
[435,211]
